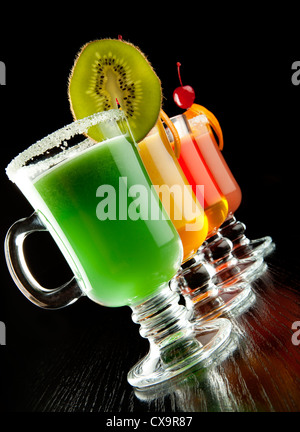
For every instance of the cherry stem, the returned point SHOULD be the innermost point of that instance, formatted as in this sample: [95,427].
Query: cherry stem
[178,68]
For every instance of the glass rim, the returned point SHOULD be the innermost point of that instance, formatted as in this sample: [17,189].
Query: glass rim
[61,136]
[200,117]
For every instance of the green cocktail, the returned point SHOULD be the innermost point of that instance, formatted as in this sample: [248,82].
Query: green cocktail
[115,255]
[100,207]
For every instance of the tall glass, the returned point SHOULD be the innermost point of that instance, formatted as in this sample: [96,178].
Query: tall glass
[231,228]
[97,202]
[216,249]
[193,280]
[172,187]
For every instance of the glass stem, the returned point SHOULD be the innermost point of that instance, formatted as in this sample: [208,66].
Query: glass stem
[194,282]
[234,231]
[217,251]
[242,246]
[164,322]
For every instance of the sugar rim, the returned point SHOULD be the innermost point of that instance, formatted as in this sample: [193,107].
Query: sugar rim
[201,118]
[56,138]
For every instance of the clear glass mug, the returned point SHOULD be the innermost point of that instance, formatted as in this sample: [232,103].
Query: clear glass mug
[195,281]
[231,228]
[217,249]
[97,202]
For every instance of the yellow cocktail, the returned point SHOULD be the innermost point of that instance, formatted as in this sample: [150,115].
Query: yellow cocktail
[174,190]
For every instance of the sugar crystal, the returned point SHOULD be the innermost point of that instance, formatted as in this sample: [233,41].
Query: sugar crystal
[57,139]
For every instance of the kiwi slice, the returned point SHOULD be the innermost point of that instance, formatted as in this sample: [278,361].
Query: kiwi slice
[109,72]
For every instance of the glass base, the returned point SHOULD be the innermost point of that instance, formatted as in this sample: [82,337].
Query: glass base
[203,298]
[242,246]
[217,251]
[253,248]
[230,301]
[239,271]
[209,339]
[179,384]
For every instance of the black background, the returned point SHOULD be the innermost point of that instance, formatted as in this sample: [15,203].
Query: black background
[239,61]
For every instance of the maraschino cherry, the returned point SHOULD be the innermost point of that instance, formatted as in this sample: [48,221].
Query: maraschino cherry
[183,96]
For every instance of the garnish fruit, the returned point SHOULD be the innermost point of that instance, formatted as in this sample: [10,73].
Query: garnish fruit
[109,73]
[196,110]
[183,96]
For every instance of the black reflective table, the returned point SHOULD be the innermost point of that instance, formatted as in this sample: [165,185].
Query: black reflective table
[76,359]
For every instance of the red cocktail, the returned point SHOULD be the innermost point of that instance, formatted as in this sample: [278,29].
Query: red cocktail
[210,151]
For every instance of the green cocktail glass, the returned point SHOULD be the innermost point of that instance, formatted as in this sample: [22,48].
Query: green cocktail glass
[97,202]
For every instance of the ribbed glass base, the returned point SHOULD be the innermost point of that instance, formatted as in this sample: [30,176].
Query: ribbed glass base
[175,344]
[203,298]
[242,246]
[217,251]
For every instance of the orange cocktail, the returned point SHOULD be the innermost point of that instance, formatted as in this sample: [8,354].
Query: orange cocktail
[196,226]
[174,190]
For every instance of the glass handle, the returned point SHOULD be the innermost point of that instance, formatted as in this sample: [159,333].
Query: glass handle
[25,281]
[196,110]
[174,132]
